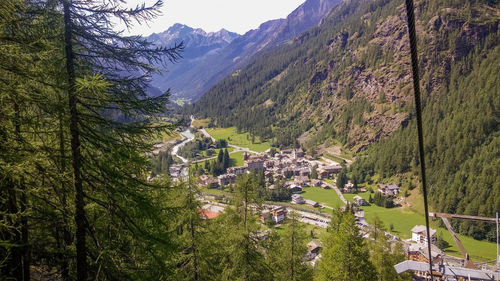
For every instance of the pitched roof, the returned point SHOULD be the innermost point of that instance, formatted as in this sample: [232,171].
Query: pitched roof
[313,245]
[446,270]
[422,247]
[207,214]
[421,229]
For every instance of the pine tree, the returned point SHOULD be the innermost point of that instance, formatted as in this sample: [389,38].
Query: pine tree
[345,255]
[383,255]
[342,178]
[286,256]
[106,152]
[314,173]
[27,90]
[190,261]
[226,160]
[245,259]
[220,156]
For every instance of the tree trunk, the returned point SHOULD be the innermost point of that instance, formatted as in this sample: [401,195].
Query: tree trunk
[24,250]
[65,228]
[81,250]
[194,246]
[292,260]
[14,264]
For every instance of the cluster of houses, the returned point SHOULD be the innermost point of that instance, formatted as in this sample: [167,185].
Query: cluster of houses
[389,190]
[289,163]
[418,250]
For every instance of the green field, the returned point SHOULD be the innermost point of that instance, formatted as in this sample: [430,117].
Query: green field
[404,219]
[333,157]
[241,139]
[326,196]
[166,137]
[237,158]
[201,123]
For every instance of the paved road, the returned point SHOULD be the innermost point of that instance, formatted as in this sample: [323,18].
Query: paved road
[349,162]
[239,148]
[210,158]
[206,134]
[341,196]
[307,217]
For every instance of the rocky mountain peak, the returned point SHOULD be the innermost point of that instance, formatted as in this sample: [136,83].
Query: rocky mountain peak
[229,51]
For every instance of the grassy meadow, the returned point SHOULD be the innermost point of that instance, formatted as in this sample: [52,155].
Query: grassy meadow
[239,139]
[403,220]
[323,196]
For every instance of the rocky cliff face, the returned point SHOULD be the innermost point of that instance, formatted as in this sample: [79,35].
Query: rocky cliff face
[192,78]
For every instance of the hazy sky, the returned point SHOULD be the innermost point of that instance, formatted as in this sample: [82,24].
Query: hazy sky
[211,15]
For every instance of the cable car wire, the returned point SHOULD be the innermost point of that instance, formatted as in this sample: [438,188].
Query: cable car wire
[418,107]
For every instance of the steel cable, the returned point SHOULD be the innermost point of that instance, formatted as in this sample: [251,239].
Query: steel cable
[418,107]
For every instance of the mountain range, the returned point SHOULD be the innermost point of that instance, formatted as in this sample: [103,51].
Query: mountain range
[209,57]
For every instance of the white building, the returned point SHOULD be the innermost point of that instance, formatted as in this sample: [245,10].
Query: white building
[278,214]
[419,234]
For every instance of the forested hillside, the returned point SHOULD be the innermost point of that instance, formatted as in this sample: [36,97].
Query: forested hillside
[349,81]
[349,78]
[462,144]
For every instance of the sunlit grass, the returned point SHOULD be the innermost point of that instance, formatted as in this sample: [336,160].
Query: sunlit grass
[239,139]
[404,219]
[326,196]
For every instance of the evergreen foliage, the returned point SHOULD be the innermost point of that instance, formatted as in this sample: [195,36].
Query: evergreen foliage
[245,259]
[161,164]
[383,201]
[73,146]
[345,254]
[286,256]
[385,255]
[461,150]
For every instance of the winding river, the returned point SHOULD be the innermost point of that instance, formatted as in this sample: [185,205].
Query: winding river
[189,137]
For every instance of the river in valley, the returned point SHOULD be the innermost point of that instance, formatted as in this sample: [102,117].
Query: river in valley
[189,137]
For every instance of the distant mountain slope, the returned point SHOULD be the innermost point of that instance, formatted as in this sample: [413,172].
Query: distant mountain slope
[348,81]
[198,46]
[193,76]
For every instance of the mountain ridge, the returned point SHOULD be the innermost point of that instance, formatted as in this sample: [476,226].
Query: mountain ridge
[198,74]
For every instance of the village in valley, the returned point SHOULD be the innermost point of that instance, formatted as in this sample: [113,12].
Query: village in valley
[294,171]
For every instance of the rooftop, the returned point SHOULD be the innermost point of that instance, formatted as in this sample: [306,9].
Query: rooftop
[451,271]
[421,229]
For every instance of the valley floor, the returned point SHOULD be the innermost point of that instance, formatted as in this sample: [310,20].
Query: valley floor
[398,221]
